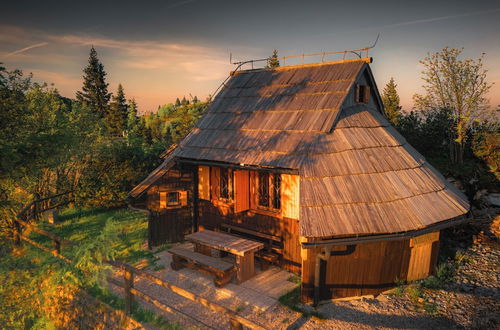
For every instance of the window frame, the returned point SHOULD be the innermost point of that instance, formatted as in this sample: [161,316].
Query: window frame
[178,198]
[230,185]
[273,193]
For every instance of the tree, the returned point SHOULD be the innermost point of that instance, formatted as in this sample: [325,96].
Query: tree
[390,98]
[132,118]
[457,85]
[94,93]
[116,118]
[273,61]
[177,102]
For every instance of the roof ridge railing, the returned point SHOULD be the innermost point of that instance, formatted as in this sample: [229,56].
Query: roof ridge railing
[358,52]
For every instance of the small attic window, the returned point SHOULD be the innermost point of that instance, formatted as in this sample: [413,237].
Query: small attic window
[362,94]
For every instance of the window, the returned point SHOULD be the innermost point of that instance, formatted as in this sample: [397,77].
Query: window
[225,184]
[173,198]
[362,94]
[269,190]
[264,189]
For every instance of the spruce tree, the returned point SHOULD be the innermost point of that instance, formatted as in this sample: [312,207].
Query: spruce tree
[94,93]
[390,98]
[116,119]
[177,102]
[132,118]
[273,61]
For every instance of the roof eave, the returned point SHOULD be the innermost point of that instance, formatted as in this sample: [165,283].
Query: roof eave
[316,242]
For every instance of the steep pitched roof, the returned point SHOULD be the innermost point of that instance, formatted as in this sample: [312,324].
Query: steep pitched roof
[358,174]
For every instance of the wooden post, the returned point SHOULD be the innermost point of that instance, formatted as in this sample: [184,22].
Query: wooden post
[17,233]
[56,247]
[235,325]
[128,276]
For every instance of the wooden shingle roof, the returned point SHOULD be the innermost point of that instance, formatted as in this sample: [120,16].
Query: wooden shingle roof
[359,176]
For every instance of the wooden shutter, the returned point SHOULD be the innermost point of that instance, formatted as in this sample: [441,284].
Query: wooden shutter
[290,185]
[204,182]
[163,199]
[366,96]
[241,191]
[214,181]
[356,93]
[183,198]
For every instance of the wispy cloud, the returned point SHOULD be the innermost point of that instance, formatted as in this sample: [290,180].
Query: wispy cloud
[440,18]
[152,71]
[420,21]
[22,50]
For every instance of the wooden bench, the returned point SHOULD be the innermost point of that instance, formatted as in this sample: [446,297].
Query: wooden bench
[270,255]
[222,270]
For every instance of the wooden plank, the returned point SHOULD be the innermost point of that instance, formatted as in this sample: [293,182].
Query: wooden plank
[191,296]
[225,242]
[241,190]
[204,182]
[290,195]
[216,264]
[163,199]
[251,232]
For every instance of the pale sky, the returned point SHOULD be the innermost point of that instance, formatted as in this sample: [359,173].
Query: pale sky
[160,50]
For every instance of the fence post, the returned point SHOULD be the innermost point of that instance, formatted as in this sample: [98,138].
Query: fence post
[235,325]
[128,276]
[56,247]
[17,233]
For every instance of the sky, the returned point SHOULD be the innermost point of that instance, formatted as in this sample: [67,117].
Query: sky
[160,50]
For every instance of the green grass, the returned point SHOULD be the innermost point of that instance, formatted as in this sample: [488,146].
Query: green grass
[291,300]
[78,225]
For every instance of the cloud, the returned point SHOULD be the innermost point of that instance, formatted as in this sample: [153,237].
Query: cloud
[41,44]
[441,18]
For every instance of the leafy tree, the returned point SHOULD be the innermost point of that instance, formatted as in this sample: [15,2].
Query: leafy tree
[94,93]
[457,85]
[116,119]
[273,61]
[390,98]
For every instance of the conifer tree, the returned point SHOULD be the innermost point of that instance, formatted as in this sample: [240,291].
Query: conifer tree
[94,93]
[177,102]
[132,118]
[390,98]
[273,61]
[184,101]
[116,119]
[195,99]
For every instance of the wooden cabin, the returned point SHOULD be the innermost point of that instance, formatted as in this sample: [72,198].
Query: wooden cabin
[302,157]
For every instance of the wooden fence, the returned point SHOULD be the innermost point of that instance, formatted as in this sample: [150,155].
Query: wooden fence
[129,273]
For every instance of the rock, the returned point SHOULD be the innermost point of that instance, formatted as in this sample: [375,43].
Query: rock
[493,199]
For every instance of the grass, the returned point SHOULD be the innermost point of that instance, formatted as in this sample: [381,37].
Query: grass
[291,300]
[78,225]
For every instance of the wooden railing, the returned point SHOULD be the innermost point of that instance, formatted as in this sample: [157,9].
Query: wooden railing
[129,273]
[33,209]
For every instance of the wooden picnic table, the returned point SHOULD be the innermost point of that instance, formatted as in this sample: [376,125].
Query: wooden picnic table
[242,248]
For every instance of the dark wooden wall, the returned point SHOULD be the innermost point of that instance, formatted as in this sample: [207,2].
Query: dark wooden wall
[170,225]
[371,268]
